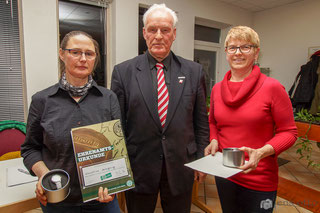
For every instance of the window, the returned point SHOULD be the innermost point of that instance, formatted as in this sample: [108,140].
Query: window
[206,52]
[11,89]
[204,33]
[208,36]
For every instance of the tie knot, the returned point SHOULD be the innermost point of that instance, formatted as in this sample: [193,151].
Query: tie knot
[159,65]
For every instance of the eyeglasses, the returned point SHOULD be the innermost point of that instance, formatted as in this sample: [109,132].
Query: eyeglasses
[243,49]
[78,53]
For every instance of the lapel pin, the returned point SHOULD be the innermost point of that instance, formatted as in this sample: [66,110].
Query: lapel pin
[181,79]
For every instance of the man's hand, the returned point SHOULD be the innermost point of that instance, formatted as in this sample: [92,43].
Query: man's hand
[199,176]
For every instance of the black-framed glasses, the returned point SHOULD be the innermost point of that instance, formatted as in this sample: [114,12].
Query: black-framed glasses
[76,53]
[243,48]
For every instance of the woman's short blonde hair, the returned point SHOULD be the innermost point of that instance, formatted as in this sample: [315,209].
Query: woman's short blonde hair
[243,33]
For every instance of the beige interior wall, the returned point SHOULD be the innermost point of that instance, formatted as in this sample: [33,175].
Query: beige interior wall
[286,33]
[40,33]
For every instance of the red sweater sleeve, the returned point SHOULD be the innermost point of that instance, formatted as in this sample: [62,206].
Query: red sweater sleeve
[282,113]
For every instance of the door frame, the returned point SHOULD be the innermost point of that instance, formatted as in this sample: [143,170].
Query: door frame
[212,47]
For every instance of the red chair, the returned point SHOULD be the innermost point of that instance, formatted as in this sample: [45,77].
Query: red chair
[11,137]
[11,140]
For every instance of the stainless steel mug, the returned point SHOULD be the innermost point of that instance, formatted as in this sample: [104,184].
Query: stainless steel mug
[233,157]
[56,184]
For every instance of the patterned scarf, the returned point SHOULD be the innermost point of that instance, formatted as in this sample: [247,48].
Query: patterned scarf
[73,90]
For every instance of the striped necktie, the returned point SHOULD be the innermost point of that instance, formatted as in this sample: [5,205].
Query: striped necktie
[163,96]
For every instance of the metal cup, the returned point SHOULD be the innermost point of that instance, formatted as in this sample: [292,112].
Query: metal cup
[56,191]
[233,157]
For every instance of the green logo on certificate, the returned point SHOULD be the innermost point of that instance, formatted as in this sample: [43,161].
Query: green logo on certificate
[106,176]
[129,183]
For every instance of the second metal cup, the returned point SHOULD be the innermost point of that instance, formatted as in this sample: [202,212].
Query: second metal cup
[233,157]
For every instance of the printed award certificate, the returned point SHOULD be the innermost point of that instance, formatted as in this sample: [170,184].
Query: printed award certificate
[102,159]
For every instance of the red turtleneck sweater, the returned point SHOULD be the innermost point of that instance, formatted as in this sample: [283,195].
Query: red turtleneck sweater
[253,113]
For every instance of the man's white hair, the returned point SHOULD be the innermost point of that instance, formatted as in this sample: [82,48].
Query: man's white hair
[155,7]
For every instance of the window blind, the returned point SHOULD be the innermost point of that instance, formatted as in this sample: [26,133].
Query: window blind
[11,92]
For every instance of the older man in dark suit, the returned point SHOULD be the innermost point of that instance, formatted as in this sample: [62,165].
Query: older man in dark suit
[163,104]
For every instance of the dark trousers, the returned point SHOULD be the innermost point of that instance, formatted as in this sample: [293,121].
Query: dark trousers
[90,207]
[146,203]
[238,199]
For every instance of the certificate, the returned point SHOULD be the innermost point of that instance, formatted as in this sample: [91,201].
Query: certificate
[102,159]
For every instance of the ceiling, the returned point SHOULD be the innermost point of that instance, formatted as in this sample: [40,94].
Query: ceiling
[81,14]
[259,5]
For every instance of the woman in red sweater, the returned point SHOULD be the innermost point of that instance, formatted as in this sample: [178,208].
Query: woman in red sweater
[253,112]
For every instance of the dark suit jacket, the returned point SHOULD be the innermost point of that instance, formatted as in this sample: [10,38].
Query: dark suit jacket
[186,131]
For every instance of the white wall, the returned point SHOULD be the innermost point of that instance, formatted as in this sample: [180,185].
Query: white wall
[286,33]
[125,25]
[40,33]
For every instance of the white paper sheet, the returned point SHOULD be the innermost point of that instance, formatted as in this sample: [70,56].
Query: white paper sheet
[19,175]
[213,165]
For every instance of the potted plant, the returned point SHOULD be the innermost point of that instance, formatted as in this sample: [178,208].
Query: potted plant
[308,126]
